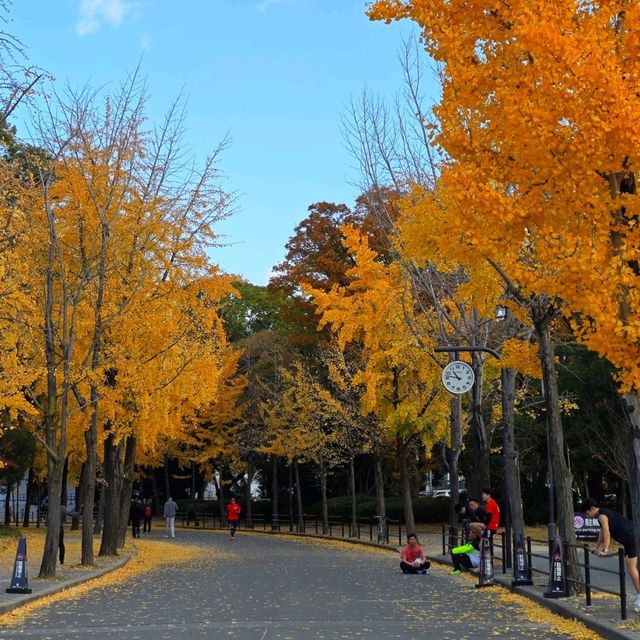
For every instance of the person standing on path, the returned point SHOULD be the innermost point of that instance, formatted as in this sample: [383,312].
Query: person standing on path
[136,513]
[412,557]
[233,516]
[613,525]
[170,510]
[64,512]
[148,512]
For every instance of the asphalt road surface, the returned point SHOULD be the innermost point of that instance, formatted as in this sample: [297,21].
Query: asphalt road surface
[273,587]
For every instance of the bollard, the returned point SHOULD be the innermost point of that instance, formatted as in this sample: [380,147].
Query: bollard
[521,568]
[557,580]
[587,575]
[623,584]
[19,578]
[486,577]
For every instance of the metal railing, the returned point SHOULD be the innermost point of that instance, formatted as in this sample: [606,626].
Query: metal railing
[451,536]
[335,527]
[588,568]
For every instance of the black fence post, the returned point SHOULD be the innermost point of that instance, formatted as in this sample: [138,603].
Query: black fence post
[623,585]
[342,523]
[529,557]
[587,575]
[444,540]
[504,550]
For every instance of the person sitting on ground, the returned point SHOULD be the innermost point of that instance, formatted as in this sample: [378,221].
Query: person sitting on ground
[466,556]
[412,557]
[613,525]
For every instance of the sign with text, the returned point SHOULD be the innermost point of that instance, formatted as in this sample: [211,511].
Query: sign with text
[587,529]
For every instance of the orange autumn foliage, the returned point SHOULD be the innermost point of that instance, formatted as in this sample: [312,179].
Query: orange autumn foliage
[538,131]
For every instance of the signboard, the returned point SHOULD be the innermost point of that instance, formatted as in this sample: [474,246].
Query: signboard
[587,529]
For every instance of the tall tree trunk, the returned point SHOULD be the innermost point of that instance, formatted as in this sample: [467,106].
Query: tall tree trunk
[248,505]
[453,457]
[65,481]
[167,488]
[88,483]
[275,516]
[52,539]
[632,401]
[28,497]
[480,467]
[354,505]
[511,467]
[222,505]
[323,496]
[75,520]
[126,488]
[113,491]
[381,505]
[7,504]
[154,492]
[299,498]
[290,496]
[542,317]
[402,451]
[97,527]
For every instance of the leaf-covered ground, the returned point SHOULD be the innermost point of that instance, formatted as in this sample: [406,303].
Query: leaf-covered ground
[202,585]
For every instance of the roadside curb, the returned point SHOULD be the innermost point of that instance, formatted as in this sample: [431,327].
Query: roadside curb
[605,629]
[67,584]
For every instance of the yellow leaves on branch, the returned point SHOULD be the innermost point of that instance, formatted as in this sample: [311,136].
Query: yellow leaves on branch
[108,231]
[401,382]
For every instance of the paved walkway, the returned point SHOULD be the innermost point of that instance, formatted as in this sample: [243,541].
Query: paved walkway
[263,587]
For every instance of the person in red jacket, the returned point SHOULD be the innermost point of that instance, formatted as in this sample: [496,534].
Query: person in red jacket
[492,514]
[233,516]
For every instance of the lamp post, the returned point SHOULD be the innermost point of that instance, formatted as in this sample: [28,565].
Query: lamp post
[457,387]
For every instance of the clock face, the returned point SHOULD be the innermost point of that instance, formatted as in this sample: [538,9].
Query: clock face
[458,377]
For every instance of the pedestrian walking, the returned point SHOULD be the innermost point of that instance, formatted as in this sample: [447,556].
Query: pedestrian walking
[136,513]
[616,526]
[412,557]
[148,512]
[170,510]
[233,517]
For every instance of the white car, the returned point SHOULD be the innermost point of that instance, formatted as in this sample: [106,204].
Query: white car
[441,493]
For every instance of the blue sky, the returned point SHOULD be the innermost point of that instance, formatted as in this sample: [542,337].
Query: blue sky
[276,74]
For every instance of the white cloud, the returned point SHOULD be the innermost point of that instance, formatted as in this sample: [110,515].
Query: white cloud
[265,4]
[93,13]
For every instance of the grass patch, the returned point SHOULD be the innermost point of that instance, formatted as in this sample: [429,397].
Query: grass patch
[9,532]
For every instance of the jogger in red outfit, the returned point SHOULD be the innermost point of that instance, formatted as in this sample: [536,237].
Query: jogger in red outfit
[233,516]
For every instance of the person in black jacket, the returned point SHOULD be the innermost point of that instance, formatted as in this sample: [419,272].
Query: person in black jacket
[136,513]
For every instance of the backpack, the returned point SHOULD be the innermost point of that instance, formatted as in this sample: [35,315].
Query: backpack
[147,511]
